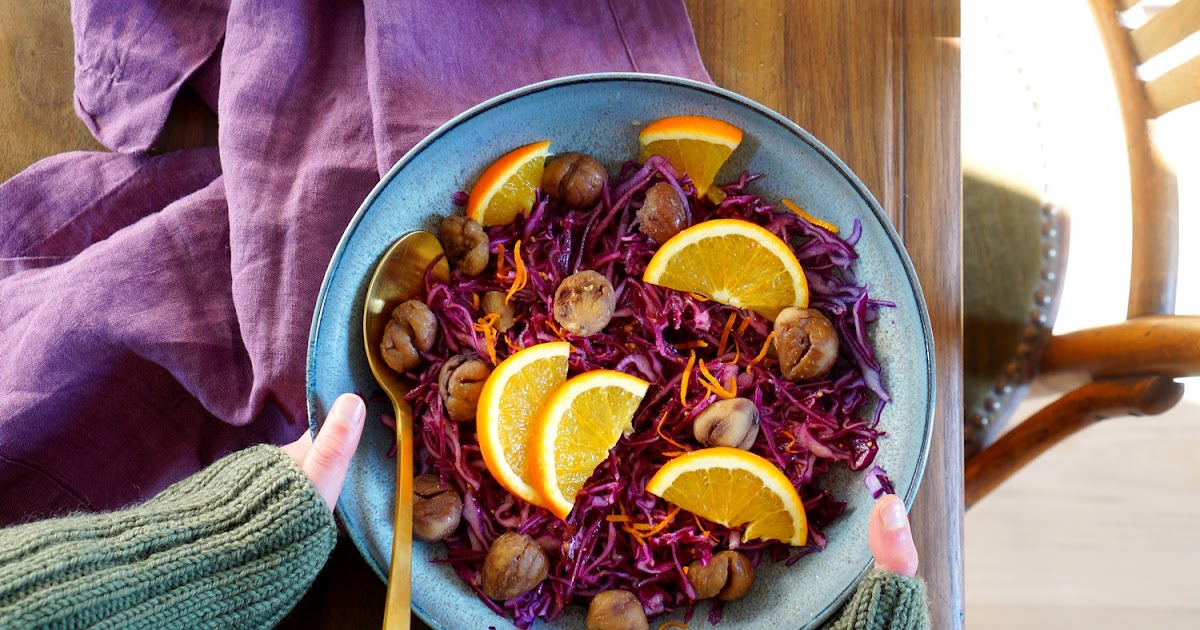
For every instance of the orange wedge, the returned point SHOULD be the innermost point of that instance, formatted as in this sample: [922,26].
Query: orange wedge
[507,187]
[508,406]
[734,262]
[694,145]
[810,218]
[734,488]
[576,427]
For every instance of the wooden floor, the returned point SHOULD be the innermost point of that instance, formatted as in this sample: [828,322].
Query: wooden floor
[1101,532]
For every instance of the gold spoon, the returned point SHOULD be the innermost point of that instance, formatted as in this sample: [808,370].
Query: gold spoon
[399,277]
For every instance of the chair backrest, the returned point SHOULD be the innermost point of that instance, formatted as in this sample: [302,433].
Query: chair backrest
[1154,190]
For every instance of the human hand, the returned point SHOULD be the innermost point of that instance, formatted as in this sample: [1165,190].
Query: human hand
[891,538]
[325,460]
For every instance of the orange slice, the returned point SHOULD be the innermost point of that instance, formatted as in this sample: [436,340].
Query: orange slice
[508,406]
[734,262]
[507,187]
[734,488]
[576,427]
[810,218]
[694,145]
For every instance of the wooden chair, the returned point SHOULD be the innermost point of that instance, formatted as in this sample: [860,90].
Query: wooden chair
[1130,367]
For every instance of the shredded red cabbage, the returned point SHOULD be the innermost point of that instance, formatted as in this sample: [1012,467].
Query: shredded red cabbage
[807,427]
[878,483]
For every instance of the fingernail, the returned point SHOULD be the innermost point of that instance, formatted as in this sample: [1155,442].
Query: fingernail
[350,407]
[894,517]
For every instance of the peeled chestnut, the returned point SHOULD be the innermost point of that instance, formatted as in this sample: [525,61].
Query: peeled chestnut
[727,576]
[662,214]
[514,565]
[807,343]
[465,242]
[616,610]
[731,422]
[412,328]
[437,508]
[584,303]
[574,179]
[493,302]
[460,382]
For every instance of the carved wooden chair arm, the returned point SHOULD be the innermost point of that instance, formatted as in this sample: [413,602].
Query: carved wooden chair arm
[1164,345]
[1075,410]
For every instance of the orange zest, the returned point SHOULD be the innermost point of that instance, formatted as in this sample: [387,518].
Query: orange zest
[687,373]
[810,218]
[555,329]
[673,624]
[790,447]
[642,531]
[658,430]
[663,523]
[500,274]
[725,333]
[699,343]
[763,353]
[698,297]
[622,518]
[475,300]
[628,529]
[521,277]
[487,327]
[711,383]
[737,347]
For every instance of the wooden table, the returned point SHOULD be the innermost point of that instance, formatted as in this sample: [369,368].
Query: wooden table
[875,80]
[878,82]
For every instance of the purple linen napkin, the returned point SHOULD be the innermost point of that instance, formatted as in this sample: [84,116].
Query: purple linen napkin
[154,311]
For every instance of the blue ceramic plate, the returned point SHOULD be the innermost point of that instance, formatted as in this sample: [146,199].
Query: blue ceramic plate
[600,114]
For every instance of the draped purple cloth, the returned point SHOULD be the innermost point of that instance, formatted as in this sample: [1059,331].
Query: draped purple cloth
[154,310]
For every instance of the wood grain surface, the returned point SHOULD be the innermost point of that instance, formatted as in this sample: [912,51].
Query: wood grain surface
[875,80]
[878,83]
[37,112]
[932,230]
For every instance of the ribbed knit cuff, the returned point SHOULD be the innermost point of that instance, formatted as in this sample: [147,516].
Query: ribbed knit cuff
[234,546]
[884,601]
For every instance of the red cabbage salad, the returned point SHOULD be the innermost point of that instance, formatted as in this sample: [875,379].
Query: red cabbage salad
[619,536]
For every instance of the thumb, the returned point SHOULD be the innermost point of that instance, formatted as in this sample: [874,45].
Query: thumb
[891,538]
[326,462]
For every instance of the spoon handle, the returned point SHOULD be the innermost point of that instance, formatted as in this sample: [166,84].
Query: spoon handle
[398,614]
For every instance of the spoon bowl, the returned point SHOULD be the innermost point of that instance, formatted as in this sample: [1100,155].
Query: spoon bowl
[398,277]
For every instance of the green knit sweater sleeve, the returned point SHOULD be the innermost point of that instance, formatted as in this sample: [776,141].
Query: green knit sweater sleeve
[884,601]
[234,546]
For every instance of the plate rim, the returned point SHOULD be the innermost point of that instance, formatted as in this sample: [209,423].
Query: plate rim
[598,77]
